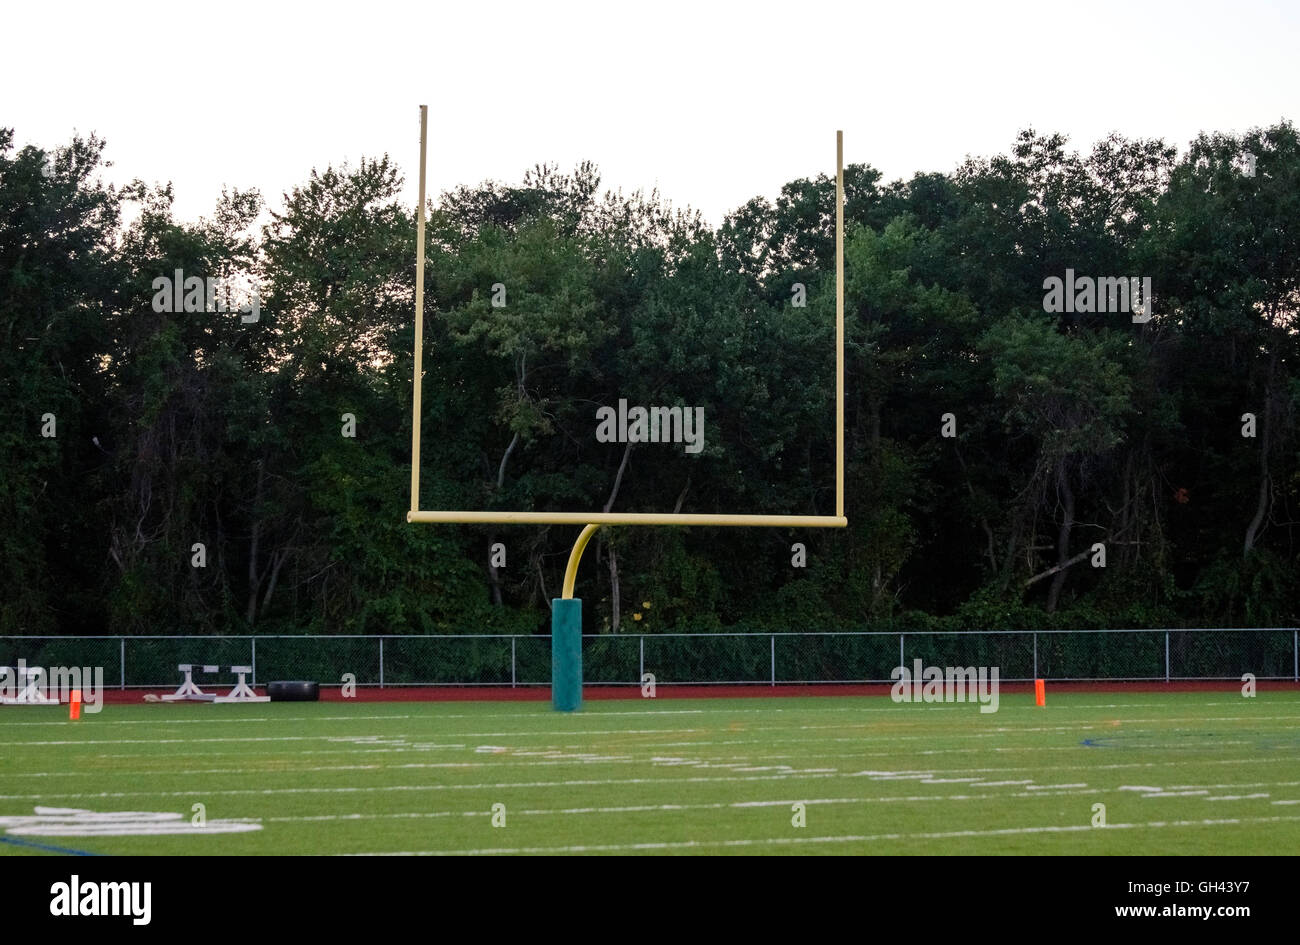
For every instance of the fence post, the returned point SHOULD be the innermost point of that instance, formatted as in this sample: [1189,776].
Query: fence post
[122,641]
[901,660]
[253,661]
[641,676]
[1295,654]
[381,661]
[1166,656]
[1035,654]
[774,659]
[512,662]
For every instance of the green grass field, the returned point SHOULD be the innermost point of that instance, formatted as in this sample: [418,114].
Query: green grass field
[1204,773]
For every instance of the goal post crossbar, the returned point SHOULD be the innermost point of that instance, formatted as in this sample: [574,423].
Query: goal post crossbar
[626,518]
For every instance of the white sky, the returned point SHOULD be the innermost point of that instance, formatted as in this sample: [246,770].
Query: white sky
[712,102]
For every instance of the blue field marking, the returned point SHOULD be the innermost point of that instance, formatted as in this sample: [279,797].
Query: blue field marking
[19,842]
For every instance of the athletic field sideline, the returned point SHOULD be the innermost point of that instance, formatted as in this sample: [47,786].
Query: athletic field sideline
[1178,773]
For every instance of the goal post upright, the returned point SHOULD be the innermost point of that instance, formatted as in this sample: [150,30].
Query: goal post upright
[416,413]
[839,324]
[566,611]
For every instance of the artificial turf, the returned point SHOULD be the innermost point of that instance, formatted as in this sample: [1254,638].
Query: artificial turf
[1178,773]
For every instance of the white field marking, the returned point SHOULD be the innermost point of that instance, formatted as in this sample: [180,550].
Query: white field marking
[550,758]
[592,710]
[869,736]
[1206,788]
[553,758]
[120,756]
[341,738]
[168,741]
[1004,769]
[99,723]
[1052,787]
[748,768]
[640,808]
[1155,742]
[560,763]
[1237,786]
[860,838]
[1236,797]
[766,712]
[1174,794]
[902,775]
[874,736]
[1287,802]
[514,785]
[1091,723]
[524,733]
[135,829]
[77,822]
[906,775]
[644,808]
[1089,767]
[253,768]
[419,748]
[719,805]
[506,785]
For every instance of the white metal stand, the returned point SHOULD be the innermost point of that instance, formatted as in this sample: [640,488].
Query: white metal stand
[242,692]
[188,692]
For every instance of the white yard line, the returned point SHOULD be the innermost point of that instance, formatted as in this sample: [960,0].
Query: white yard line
[880,776]
[340,738]
[644,808]
[508,760]
[859,838]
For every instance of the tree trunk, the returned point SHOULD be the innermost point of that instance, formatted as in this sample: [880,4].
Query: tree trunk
[613,588]
[1063,537]
[677,506]
[1261,504]
[279,559]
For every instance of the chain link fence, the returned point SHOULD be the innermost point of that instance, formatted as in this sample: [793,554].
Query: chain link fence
[695,658]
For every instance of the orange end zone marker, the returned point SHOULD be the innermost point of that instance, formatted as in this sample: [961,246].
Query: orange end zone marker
[74,705]
[1040,692]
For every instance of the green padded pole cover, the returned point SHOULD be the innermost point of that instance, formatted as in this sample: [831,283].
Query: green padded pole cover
[566,654]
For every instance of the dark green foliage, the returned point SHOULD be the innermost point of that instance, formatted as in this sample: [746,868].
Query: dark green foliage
[1072,429]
